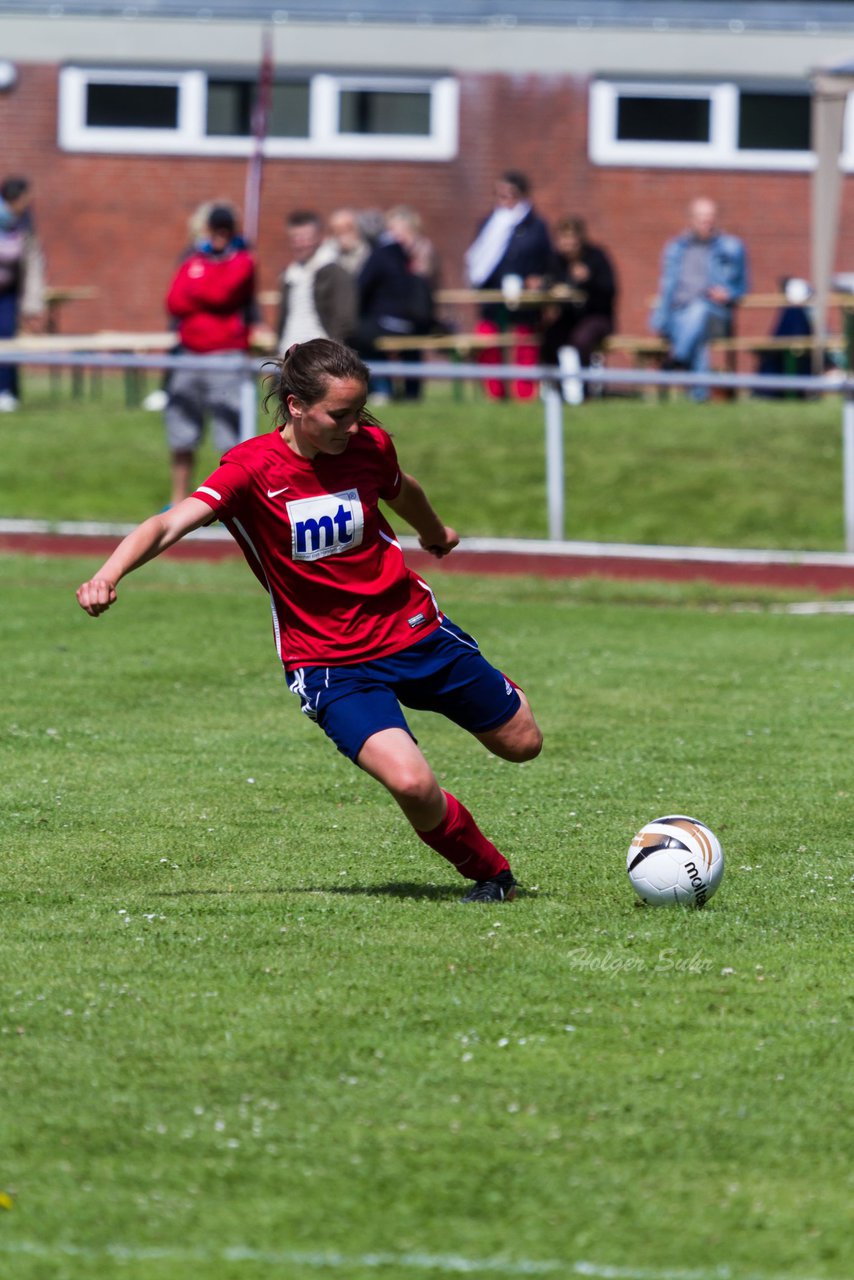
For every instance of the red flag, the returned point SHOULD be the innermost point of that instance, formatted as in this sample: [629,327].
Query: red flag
[260,125]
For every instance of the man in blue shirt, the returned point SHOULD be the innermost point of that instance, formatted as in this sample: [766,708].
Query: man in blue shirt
[703,277]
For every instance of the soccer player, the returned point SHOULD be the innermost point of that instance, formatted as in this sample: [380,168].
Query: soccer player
[357,632]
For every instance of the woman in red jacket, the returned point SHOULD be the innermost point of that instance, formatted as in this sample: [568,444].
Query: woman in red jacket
[212,298]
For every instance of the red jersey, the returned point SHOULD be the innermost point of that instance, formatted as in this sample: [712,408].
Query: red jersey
[210,297]
[312,533]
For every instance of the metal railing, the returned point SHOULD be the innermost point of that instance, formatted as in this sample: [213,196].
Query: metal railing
[553,404]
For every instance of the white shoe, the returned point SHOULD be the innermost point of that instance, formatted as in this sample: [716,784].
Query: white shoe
[156,401]
[8,402]
[571,385]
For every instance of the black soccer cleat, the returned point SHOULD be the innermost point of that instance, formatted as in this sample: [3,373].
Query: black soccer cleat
[501,888]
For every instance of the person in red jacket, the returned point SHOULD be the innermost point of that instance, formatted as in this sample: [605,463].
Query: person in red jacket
[212,298]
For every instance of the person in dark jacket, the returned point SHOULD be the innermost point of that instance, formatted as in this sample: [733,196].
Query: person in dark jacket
[396,295]
[585,272]
[511,252]
[792,321]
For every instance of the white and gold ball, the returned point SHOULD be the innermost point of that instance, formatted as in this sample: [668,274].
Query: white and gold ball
[675,861]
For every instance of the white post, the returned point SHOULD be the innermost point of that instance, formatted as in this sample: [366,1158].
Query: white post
[554,459]
[248,402]
[848,469]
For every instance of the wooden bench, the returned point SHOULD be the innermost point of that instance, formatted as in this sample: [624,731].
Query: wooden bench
[105,341]
[57,296]
[644,351]
[457,344]
[459,348]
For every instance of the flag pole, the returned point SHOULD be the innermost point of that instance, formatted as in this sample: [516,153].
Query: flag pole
[260,126]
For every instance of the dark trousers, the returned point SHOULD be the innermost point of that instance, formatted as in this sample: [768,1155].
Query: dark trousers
[8,329]
[586,334]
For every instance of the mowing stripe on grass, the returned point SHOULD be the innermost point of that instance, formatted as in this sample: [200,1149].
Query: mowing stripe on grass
[324,1260]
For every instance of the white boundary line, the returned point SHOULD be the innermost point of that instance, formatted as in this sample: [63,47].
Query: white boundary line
[94,529]
[330,1260]
[813,607]
[487,546]
[632,551]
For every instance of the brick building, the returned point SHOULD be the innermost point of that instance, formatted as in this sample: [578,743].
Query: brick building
[127,117]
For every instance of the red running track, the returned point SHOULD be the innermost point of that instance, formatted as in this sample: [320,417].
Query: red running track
[794,574]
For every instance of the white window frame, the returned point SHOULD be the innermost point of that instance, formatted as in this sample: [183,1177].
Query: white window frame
[440,144]
[324,138]
[76,135]
[720,152]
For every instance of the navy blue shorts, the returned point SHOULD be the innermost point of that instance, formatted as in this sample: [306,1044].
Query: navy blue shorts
[444,672]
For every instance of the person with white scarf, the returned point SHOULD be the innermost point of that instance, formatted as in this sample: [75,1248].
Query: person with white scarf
[512,250]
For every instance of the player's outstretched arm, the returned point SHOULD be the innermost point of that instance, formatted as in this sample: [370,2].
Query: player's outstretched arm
[413,506]
[145,542]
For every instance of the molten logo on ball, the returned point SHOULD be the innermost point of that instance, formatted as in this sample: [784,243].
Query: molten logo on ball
[675,860]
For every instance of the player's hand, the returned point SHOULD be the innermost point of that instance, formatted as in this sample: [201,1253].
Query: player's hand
[442,547]
[96,596]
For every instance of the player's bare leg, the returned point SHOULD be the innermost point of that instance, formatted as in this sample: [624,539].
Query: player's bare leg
[438,817]
[398,763]
[518,739]
[182,474]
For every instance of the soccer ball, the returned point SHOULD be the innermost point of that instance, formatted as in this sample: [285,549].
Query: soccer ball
[675,861]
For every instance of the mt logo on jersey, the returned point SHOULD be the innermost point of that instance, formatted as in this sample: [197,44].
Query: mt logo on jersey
[326,525]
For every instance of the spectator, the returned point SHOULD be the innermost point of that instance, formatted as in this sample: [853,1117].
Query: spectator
[792,321]
[395,294]
[372,225]
[197,233]
[584,321]
[212,297]
[406,225]
[21,278]
[318,298]
[348,240]
[512,251]
[703,277]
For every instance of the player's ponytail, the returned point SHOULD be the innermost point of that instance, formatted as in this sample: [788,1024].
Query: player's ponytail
[306,370]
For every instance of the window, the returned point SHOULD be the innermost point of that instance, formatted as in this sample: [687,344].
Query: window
[700,125]
[654,120]
[382,111]
[230,104]
[193,112]
[289,111]
[132,106]
[773,122]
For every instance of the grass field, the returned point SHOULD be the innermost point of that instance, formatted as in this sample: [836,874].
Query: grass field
[246,1028]
[752,473]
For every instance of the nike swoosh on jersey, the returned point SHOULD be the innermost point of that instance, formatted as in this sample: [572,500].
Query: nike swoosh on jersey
[274,493]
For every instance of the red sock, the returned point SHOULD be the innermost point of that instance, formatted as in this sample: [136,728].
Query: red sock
[459,839]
